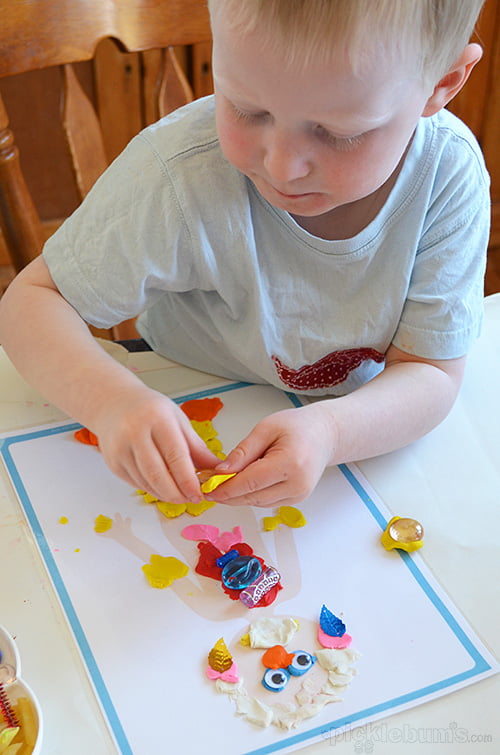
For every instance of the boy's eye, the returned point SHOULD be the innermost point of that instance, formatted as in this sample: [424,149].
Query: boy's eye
[249,117]
[342,143]
[302,662]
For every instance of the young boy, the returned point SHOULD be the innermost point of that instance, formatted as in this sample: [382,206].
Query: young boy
[322,227]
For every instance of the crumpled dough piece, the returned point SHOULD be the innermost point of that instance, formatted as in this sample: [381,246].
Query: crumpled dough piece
[103,523]
[213,482]
[195,509]
[253,710]
[269,631]
[338,664]
[289,515]
[162,571]
[171,510]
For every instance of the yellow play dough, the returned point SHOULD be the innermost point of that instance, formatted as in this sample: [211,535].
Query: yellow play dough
[205,429]
[162,571]
[171,510]
[103,523]
[271,522]
[195,509]
[288,515]
[291,516]
[214,482]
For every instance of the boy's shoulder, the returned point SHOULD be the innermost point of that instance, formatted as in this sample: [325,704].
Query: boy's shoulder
[452,139]
[189,128]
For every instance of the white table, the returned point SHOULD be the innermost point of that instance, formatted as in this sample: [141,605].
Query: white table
[449,480]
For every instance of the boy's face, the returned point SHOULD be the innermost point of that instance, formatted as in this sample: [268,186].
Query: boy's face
[311,140]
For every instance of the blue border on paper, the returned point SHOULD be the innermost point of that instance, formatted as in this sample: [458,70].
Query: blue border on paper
[480,666]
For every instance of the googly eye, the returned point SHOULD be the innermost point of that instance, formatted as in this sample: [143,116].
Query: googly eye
[301,663]
[275,679]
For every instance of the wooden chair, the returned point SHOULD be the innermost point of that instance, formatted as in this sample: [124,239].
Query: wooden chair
[36,35]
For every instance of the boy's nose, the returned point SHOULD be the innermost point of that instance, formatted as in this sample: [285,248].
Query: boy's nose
[285,158]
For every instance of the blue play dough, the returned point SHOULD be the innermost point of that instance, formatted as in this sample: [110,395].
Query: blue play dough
[241,572]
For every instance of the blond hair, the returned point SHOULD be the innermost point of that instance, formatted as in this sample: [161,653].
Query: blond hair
[435,32]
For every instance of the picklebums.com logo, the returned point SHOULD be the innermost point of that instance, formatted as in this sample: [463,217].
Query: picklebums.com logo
[365,738]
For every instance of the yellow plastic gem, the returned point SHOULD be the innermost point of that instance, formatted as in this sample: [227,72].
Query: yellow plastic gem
[162,571]
[149,498]
[213,482]
[245,640]
[63,520]
[403,533]
[103,523]
[219,658]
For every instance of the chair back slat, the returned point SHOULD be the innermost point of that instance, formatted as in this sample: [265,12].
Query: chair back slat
[174,89]
[83,134]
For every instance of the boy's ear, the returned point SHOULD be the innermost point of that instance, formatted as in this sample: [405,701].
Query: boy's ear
[453,81]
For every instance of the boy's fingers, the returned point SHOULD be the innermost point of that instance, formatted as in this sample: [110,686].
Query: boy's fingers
[250,450]
[250,483]
[168,468]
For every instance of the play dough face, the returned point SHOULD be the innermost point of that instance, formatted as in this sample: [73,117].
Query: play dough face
[307,688]
[251,668]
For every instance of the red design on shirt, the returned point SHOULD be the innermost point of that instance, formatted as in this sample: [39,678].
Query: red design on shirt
[327,371]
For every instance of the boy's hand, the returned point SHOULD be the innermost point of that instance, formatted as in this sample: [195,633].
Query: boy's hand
[280,461]
[148,441]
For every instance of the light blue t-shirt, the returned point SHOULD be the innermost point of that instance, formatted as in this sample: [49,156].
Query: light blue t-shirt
[228,284]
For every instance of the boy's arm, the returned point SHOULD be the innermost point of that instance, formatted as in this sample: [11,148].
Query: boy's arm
[144,437]
[282,459]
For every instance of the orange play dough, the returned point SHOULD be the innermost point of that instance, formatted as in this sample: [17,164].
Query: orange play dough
[202,409]
[277,657]
[86,436]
